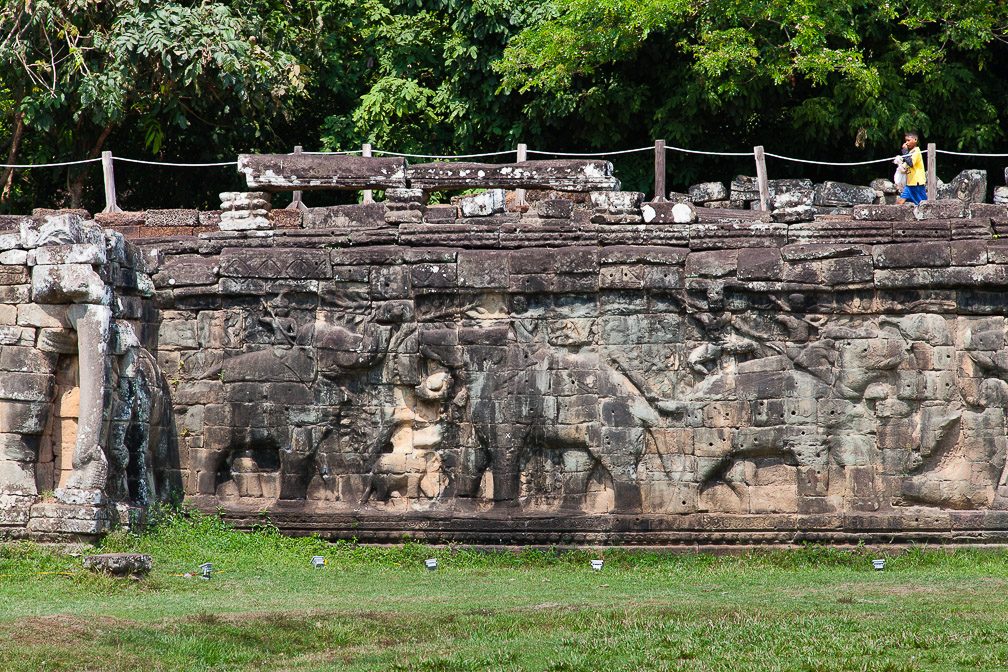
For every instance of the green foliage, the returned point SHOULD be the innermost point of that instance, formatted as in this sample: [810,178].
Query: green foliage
[78,71]
[200,81]
[423,76]
[846,76]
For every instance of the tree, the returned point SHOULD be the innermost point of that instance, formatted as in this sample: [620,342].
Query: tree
[421,74]
[826,78]
[74,71]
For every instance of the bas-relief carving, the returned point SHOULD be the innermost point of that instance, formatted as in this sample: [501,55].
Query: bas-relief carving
[110,429]
[581,402]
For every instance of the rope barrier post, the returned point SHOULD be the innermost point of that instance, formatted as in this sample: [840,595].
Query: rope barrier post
[761,178]
[109,176]
[522,155]
[297,203]
[659,172]
[932,176]
[368,193]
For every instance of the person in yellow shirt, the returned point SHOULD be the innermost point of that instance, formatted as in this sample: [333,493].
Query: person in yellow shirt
[915,189]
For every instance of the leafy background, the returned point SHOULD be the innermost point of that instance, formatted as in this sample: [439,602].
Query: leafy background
[193,81]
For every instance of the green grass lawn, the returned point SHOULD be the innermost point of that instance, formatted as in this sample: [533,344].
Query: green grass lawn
[266,608]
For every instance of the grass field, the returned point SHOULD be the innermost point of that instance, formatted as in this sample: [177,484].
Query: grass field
[266,608]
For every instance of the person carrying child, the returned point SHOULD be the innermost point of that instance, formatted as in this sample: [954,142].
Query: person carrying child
[915,189]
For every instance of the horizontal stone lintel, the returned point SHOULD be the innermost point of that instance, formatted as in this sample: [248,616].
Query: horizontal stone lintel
[559,175]
[307,172]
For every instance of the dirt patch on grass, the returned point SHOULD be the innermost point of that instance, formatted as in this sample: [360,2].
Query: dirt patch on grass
[60,631]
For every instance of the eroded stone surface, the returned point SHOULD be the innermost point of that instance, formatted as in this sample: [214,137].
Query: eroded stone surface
[646,376]
[119,564]
[82,403]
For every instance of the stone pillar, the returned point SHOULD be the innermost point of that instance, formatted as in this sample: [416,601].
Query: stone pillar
[90,463]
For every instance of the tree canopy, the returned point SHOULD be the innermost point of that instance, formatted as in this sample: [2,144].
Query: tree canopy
[201,81]
[75,71]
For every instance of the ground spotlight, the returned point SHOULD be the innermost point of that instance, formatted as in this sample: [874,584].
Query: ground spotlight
[596,565]
[317,561]
[879,564]
[431,563]
[207,569]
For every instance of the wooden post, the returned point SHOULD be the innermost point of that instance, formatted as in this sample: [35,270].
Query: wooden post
[932,176]
[109,175]
[761,178]
[522,155]
[368,193]
[659,172]
[297,203]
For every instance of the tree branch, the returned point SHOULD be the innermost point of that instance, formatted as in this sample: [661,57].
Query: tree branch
[8,174]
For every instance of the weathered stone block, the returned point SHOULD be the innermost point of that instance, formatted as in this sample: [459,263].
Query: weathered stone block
[708,191]
[911,255]
[24,417]
[185,270]
[25,359]
[712,264]
[760,263]
[13,275]
[617,202]
[274,263]
[42,315]
[555,208]
[883,213]
[940,209]
[14,257]
[67,283]
[119,564]
[969,186]
[560,175]
[176,217]
[483,270]
[798,213]
[93,254]
[839,193]
[489,202]
[441,214]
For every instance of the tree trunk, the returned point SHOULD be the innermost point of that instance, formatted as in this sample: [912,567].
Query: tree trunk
[8,173]
[75,182]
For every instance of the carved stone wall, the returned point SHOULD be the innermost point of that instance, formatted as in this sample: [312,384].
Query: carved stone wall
[85,420]
[523,379]
[594,372]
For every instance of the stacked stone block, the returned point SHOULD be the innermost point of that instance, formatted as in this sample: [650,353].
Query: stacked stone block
[70,318]
[659,374]
[774,373]
[245,211]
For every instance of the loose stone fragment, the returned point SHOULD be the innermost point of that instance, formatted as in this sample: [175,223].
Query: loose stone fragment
[119,564]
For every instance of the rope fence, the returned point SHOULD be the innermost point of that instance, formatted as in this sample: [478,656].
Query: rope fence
[521,153]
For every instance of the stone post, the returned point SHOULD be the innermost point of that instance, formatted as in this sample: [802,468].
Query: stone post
[297,203]
[659,172]
[761,178]
[110,190]
[368,193]
[932,176]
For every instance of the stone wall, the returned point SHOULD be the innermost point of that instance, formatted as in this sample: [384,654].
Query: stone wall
[597,372]
[85,430]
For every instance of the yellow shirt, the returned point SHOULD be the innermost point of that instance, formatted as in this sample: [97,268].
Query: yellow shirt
[915,174]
